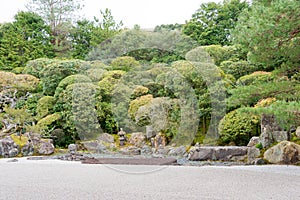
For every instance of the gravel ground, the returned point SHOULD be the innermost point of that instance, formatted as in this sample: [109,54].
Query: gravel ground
[55,179]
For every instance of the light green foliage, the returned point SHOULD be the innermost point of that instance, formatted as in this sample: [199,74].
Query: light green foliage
[140,91]
[55,72]
[21,82]
[255,78]
[45,106]
[47,121]
[77,78]
[125,63]
[20,117]
[198,55]
[18,70]
[137,103]
[108,83]
[238,127]
[211,23]
[270,32]
[26,38]
[238,68]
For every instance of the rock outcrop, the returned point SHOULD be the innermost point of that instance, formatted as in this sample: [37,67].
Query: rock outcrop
[8,148]
[283,153]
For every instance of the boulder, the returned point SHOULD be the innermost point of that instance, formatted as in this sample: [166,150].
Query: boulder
[252,155]
[27,149]
[72,149]
[146,150]
[46,147]
[132,150]
[253,142]
[283,153]
[94,146]
[137,139]
[270,131]
[298,132]
[178,151]
[279,136]
[150,132]
[199,154]
[8,148]
[158,140]
[105,137]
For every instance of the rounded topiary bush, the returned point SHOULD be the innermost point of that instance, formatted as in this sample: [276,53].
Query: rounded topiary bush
[254,78]
[125,63]
[238,68]
[198,55]
[238,128]
[77,78]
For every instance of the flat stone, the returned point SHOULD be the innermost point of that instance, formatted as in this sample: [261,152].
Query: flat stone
[253,142]
[105,137]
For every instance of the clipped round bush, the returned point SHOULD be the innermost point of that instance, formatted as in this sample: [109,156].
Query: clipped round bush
[238,68]
[48,120]
[108,83]
[137,103]
[140,91]
[198,55]
[35,67]
[254,78]
[238,127]
[125,63]
[77,78]
[95,74]
[55,72]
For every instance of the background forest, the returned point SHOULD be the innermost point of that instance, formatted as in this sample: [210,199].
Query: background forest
[208,80]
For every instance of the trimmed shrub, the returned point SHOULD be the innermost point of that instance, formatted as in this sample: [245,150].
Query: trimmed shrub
[125,63]
[137,103]
[238,69]
[238,127]
[45,106]
[255,78]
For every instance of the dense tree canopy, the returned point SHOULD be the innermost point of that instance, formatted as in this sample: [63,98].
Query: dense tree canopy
[212,22]
[270,31]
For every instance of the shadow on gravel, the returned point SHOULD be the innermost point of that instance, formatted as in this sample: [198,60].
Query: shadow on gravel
[131,161]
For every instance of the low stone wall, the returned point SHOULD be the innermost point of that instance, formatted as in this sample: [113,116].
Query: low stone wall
[226,153]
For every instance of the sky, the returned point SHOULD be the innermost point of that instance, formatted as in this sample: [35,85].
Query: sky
[146,13]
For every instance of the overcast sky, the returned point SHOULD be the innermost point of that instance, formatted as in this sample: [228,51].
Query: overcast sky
[146,13]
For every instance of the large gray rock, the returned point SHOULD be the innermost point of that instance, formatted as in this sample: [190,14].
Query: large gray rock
[150,132]
[137,139]
[46,147]
[229,153]
[279,136]
[95,146]
[283,153]
[72,149]
[27,149]
[252,156]
[105,137]
[178,151]
[8,148]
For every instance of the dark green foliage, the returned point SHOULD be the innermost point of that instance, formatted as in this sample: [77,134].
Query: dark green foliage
[24,39]
[55,72]
[251,94]
[238,127]
[269,30]
[211,23]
